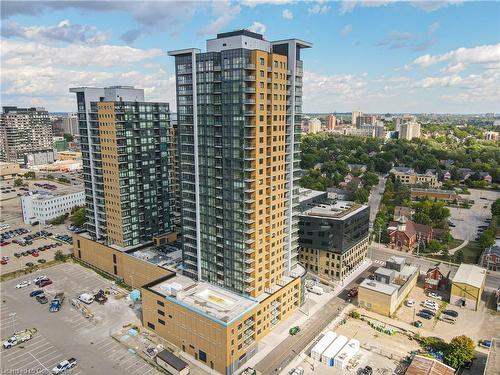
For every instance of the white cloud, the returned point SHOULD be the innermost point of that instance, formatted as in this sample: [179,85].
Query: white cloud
[23,54]
[433,5]
[453,69]
[257,27]
[319,9]
[444,81]
[64,31]
[476,55]
[349,5]
[433,27]
[224,12]
[287,14]
[346,29]
[254,3]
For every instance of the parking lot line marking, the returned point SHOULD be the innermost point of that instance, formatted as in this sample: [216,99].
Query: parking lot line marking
[50,353]
[132,365]
[48,348]
[25,357]
[37,347]
[13,355]
[107,344]
[39,362]
[144,364]
[54,364]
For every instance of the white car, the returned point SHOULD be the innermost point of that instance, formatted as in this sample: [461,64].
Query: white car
[23,284]
[410,303]
[432,306]
[64,365]
[39,278]
[435,296]
[86,298]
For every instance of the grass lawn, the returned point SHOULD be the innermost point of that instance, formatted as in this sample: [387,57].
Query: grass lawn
[454,243]
[472,252]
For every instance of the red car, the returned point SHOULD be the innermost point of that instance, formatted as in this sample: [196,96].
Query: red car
[5,243]
[35,254]
[4,262]
[44,283]
[353,292]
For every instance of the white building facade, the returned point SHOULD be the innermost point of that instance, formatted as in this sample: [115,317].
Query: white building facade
[45,207]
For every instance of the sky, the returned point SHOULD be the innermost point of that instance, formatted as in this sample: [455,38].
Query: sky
[374,56]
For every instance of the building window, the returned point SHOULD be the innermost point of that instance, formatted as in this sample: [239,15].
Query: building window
[78,243]
[151,325]
[161,321]
[79,254]
[261,61]
[202,356]
[162,313]
[160,303]
[114,258]
[115,270]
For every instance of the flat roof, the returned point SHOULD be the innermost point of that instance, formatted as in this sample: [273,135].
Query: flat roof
[384,271]
[210,301]
[376,286]
[396,259]
[338,210]
[470,274]
[172,360]
[493,361]
[305,194]
[45,195]
[428,366]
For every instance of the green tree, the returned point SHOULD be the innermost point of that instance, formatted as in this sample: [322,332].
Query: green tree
[495,208]
[68,137]
[30,175]
[487,238]
[64,180]
[370,179]
[78,216]
[459,256]
[59,256]
[459,351]
[18,182]
[59,220]
[433,247]
[49,177]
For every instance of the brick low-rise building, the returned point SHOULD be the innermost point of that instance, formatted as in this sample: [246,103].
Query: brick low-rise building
[437,277]
[490,259]
[405,235]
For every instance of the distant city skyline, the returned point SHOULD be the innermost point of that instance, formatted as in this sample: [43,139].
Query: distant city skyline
[375,57]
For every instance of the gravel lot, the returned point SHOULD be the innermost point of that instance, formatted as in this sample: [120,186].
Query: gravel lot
[68,333]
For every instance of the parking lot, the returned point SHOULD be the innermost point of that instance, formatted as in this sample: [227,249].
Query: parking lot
[467,220]
[11,214]
[68,333]
[478,325]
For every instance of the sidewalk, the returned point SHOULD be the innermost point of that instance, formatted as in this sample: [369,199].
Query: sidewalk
[312,305]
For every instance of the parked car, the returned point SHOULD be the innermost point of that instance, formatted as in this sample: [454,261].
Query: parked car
[41,261]
[37,279]
[429,312]
[367,371]
[23,284]
[36,293]
[86,298]
[410,303]
[485,343]
[435,296]
[424,315]
[3,262]
[42,299]
[44,283]
[64,365]
[417,323]
[452,313]
[294,330]
[447,319]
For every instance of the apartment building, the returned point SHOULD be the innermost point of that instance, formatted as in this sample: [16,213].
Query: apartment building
[365,120]
[333,238]
[239,116]
[311,126]
[331,122]
[403,119]
[354,117]
[408,176]
[24,131]
[409,130]
[125,159]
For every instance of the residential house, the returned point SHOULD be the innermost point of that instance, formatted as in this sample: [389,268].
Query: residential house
[437,277]
[357,168]
[421,365]
[405,235]
[408,176]
[400,211]
[490,259]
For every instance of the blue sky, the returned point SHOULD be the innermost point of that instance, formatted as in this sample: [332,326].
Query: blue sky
[374,56]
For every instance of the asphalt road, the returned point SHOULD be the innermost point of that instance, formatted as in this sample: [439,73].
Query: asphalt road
[377,254]
[292,346]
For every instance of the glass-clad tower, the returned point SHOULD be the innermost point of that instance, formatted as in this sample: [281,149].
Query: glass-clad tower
[239,111]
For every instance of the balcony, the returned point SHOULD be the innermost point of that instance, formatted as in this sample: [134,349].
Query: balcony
[250,90]
[249,101]
[249,78]
[250,66]
[249,251]
[249,113]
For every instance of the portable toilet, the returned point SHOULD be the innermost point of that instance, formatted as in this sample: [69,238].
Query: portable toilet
[346,354]
[322,344]
[330,352]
